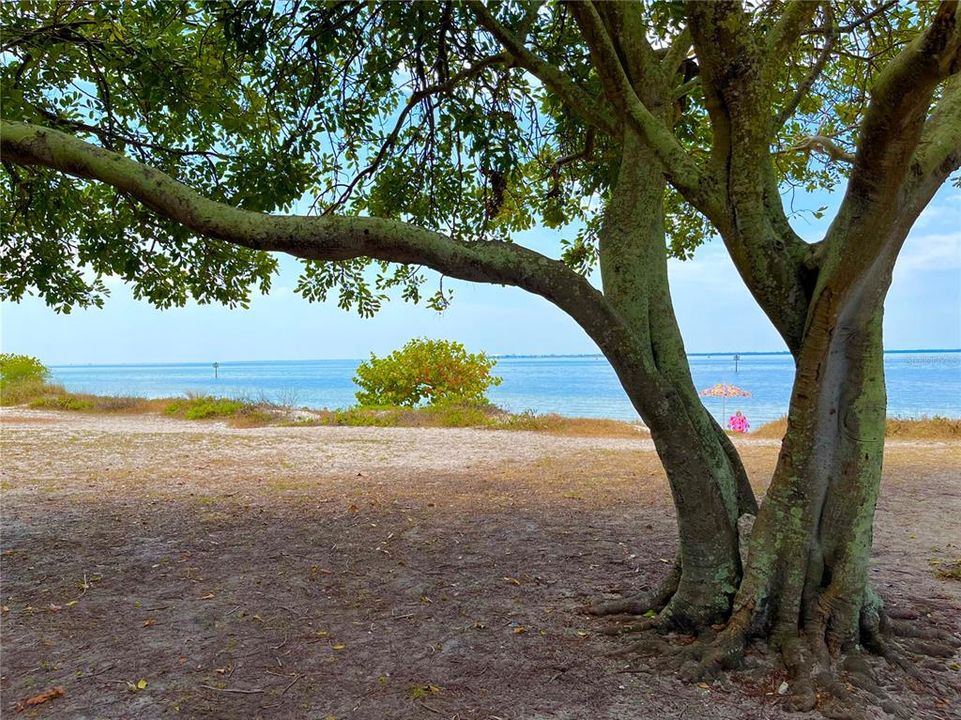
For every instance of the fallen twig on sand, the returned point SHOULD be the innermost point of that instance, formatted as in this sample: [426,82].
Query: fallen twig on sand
[290,685]
[254,691]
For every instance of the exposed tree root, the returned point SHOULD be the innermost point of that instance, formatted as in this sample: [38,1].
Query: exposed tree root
[641,603]
[672,606]
[842,684]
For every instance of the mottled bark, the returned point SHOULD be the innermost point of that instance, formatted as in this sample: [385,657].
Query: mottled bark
[707,481]
[806,583]
[807,567]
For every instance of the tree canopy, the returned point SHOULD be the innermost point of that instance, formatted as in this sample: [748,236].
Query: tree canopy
[471,120]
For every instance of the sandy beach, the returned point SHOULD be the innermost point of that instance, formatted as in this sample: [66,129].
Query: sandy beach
[335,572]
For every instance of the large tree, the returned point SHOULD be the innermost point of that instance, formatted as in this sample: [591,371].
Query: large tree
[167,142]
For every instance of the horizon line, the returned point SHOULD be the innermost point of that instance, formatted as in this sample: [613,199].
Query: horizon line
[505,356]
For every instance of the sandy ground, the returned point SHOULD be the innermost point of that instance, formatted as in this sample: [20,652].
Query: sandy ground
[382,573]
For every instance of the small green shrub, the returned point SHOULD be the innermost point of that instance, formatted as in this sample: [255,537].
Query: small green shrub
[21,393]
[527,420]
[461,414]
[21,368]
[425,372]
[119,403]
[201,407]
[22,378]
[375,416]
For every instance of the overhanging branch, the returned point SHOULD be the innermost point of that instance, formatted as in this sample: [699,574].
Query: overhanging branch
[343,238]
[939,150]
[814,73]
[894,119]
[794,19]
[768,254]
[336,237]
[888,186]
[676,53]
[821,144]
[308,237]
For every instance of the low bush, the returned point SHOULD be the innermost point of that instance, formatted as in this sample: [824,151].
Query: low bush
[122,403]
[462,414]
[24,392]
[22,379]
[21,368]
[425,372]
[63,401]
[571,426]
[375,416]
[251,416]
[201,407]
[932,428]
[476,415]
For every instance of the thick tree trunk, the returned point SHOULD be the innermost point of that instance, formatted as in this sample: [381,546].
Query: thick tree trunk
[809,552]
[805,584]
[707,481]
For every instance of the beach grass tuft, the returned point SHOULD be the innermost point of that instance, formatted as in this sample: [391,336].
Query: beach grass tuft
[245,412]
[925,428]
[202,407]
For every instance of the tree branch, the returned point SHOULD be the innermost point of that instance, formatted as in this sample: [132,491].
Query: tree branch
[110,136]
[768,254]
[843,29]
[821,144]
[414,100]
[590,109]
[314,238]
[676,53]
[939,149]
[584,154]
[54,29]
[895,115]
[684,173]
[817,68]
[887,189]
[625,25]
[682,90]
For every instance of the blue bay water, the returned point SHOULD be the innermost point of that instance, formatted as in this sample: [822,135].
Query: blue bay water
[919,383]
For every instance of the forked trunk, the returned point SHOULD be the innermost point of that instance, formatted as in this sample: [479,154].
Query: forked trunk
[806,585]
[807,568]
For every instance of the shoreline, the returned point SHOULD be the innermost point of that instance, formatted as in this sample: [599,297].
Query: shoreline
[506,356]
[573,386]
[899,431]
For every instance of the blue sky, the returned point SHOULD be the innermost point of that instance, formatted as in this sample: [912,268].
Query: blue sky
[714,309]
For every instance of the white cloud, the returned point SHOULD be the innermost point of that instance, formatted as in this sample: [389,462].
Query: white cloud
[931,251]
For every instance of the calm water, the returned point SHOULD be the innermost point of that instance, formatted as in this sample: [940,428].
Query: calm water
[918,383]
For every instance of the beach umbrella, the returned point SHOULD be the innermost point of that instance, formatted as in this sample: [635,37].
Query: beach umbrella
[724,391]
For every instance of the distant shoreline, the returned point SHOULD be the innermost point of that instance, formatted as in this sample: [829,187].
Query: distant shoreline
[730,353]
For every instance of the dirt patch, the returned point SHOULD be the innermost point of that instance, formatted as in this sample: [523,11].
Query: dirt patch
[6,419]
[380,572]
